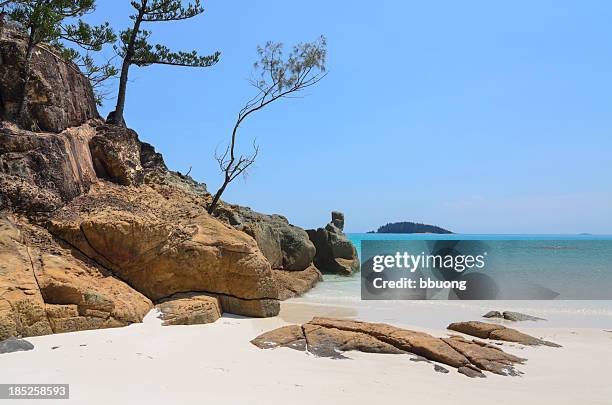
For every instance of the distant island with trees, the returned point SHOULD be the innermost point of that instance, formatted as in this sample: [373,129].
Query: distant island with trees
[409,227]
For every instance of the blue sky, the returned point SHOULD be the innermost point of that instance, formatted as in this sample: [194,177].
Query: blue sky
[478,116]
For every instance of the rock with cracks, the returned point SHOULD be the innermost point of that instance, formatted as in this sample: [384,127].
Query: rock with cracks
[493,331]
[328,337]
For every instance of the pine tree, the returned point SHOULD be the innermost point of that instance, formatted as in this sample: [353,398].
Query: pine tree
[135,48]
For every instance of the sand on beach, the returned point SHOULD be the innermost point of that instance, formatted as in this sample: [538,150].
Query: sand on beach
[151,364]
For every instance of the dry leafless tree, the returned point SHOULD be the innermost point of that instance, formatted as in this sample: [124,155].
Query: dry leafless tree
[276,77]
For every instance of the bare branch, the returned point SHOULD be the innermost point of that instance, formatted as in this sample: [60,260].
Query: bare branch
[279,77]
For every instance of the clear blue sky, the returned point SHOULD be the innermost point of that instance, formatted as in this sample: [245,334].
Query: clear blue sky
[478,116]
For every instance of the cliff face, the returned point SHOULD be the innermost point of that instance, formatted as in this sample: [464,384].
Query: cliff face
[60,96]
[94,229]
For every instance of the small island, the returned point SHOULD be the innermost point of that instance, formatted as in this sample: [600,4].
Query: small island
[410,227]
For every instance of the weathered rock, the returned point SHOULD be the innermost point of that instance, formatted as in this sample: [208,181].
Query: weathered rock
[39,172]
[471,371]
[162,247]
[189,309]
[338,220]
[330,342]
[418,343]
[512,316]
[498,332]
[517,317]
[22,309]
[493,314]
[328,337]
[285,246]
[334,252]
[291,336]
[115,152]
[59,95]
[45,289]
[295,283]
[13,344]
[486,357]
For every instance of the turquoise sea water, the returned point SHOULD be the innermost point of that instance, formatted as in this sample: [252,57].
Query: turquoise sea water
[580,261]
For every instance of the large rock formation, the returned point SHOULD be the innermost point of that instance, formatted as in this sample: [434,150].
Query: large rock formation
[328,337]
[287,247]
[46,288]
[164,246]
[59,95]
[334,252]
[40,172]
[295,283]
[94,227]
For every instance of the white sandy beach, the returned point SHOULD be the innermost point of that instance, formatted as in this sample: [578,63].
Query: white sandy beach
[215,363]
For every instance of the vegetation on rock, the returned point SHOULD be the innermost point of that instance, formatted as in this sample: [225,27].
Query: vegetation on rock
[135,48]
[276,77]
[410,227]
[53,22]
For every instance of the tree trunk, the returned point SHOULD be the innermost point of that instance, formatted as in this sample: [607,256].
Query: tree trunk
[217,197]
[116,117]
[26,79]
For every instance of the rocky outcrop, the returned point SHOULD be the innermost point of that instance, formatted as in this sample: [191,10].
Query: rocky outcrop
[295,283]
[45,289]
[94,228]
[512,316]
[189,309]
[22,308]
[40,172]
[334,252]
[115,154]
[164,246]
[286,246]
[498,332]
[327,337]
[59,95]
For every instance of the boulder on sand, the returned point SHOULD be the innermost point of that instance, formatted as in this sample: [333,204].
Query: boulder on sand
[189,309]
[328,337]
[498,332]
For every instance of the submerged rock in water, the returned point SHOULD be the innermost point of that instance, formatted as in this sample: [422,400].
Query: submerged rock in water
[328,337]
[14,344]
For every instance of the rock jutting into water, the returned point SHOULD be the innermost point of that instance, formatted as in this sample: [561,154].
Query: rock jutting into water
[334,252]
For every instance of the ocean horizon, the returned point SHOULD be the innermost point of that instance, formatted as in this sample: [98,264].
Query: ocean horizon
[595,273]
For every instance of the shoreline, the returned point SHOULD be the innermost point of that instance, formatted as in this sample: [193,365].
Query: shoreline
[206,362]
